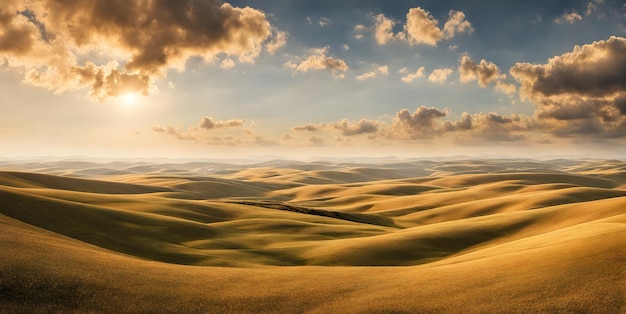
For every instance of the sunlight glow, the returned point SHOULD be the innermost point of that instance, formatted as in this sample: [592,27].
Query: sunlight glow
[129,99]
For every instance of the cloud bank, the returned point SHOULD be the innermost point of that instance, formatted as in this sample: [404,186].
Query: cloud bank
[582,92]
[49,40]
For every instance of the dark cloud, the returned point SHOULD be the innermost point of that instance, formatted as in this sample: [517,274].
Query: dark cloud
[141,38]
[310,127]
[593,70]
[580,92]
[363,126]
[428,123]
[208,123]
[483,72]
[199,132]
[345,126]
[620,103]
[423,123]
[496,127]
[464,124]
[316,141]
[18,34]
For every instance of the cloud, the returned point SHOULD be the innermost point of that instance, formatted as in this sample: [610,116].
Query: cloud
[318,60]
[592,6]
[359,28]
[421,27]
[366,75]
[279,39]
[484,72]
[363,126]
[383,30]
[310,127]
[592,70]
[428,123]
[496,127]
[466,123]
[411,76]
[316,141]
[439,75]
[324,21]
[208,123]
[227,64]
[420,124]
[579,92]
[571,18]
[456,24]
[344,126]
[177,132]
[211,132]
[505,87]
[141,40]
[383,69]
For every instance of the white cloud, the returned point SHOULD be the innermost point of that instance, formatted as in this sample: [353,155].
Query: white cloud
[383,30]
[318,60]
[410,77]
[571,17]
[383,69]
[421,27]
[439,75]
[279,40]
[227,64]
[456,24]
[366,75]
[324,21]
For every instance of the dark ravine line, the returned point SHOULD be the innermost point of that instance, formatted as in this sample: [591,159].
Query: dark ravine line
[354,217]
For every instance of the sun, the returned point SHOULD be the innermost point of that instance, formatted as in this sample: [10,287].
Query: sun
[129,99]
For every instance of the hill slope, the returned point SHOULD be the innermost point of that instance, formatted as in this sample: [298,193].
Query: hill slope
[477,236]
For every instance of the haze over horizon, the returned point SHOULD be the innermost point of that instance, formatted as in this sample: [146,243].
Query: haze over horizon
[214,79]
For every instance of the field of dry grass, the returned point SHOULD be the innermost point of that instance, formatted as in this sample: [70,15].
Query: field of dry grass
[287,236]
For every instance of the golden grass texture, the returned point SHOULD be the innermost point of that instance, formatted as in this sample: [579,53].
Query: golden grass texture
[462,236]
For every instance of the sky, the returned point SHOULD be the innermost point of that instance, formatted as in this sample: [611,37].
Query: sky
[296,79]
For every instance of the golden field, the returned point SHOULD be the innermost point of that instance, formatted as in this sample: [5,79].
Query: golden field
[290,237]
